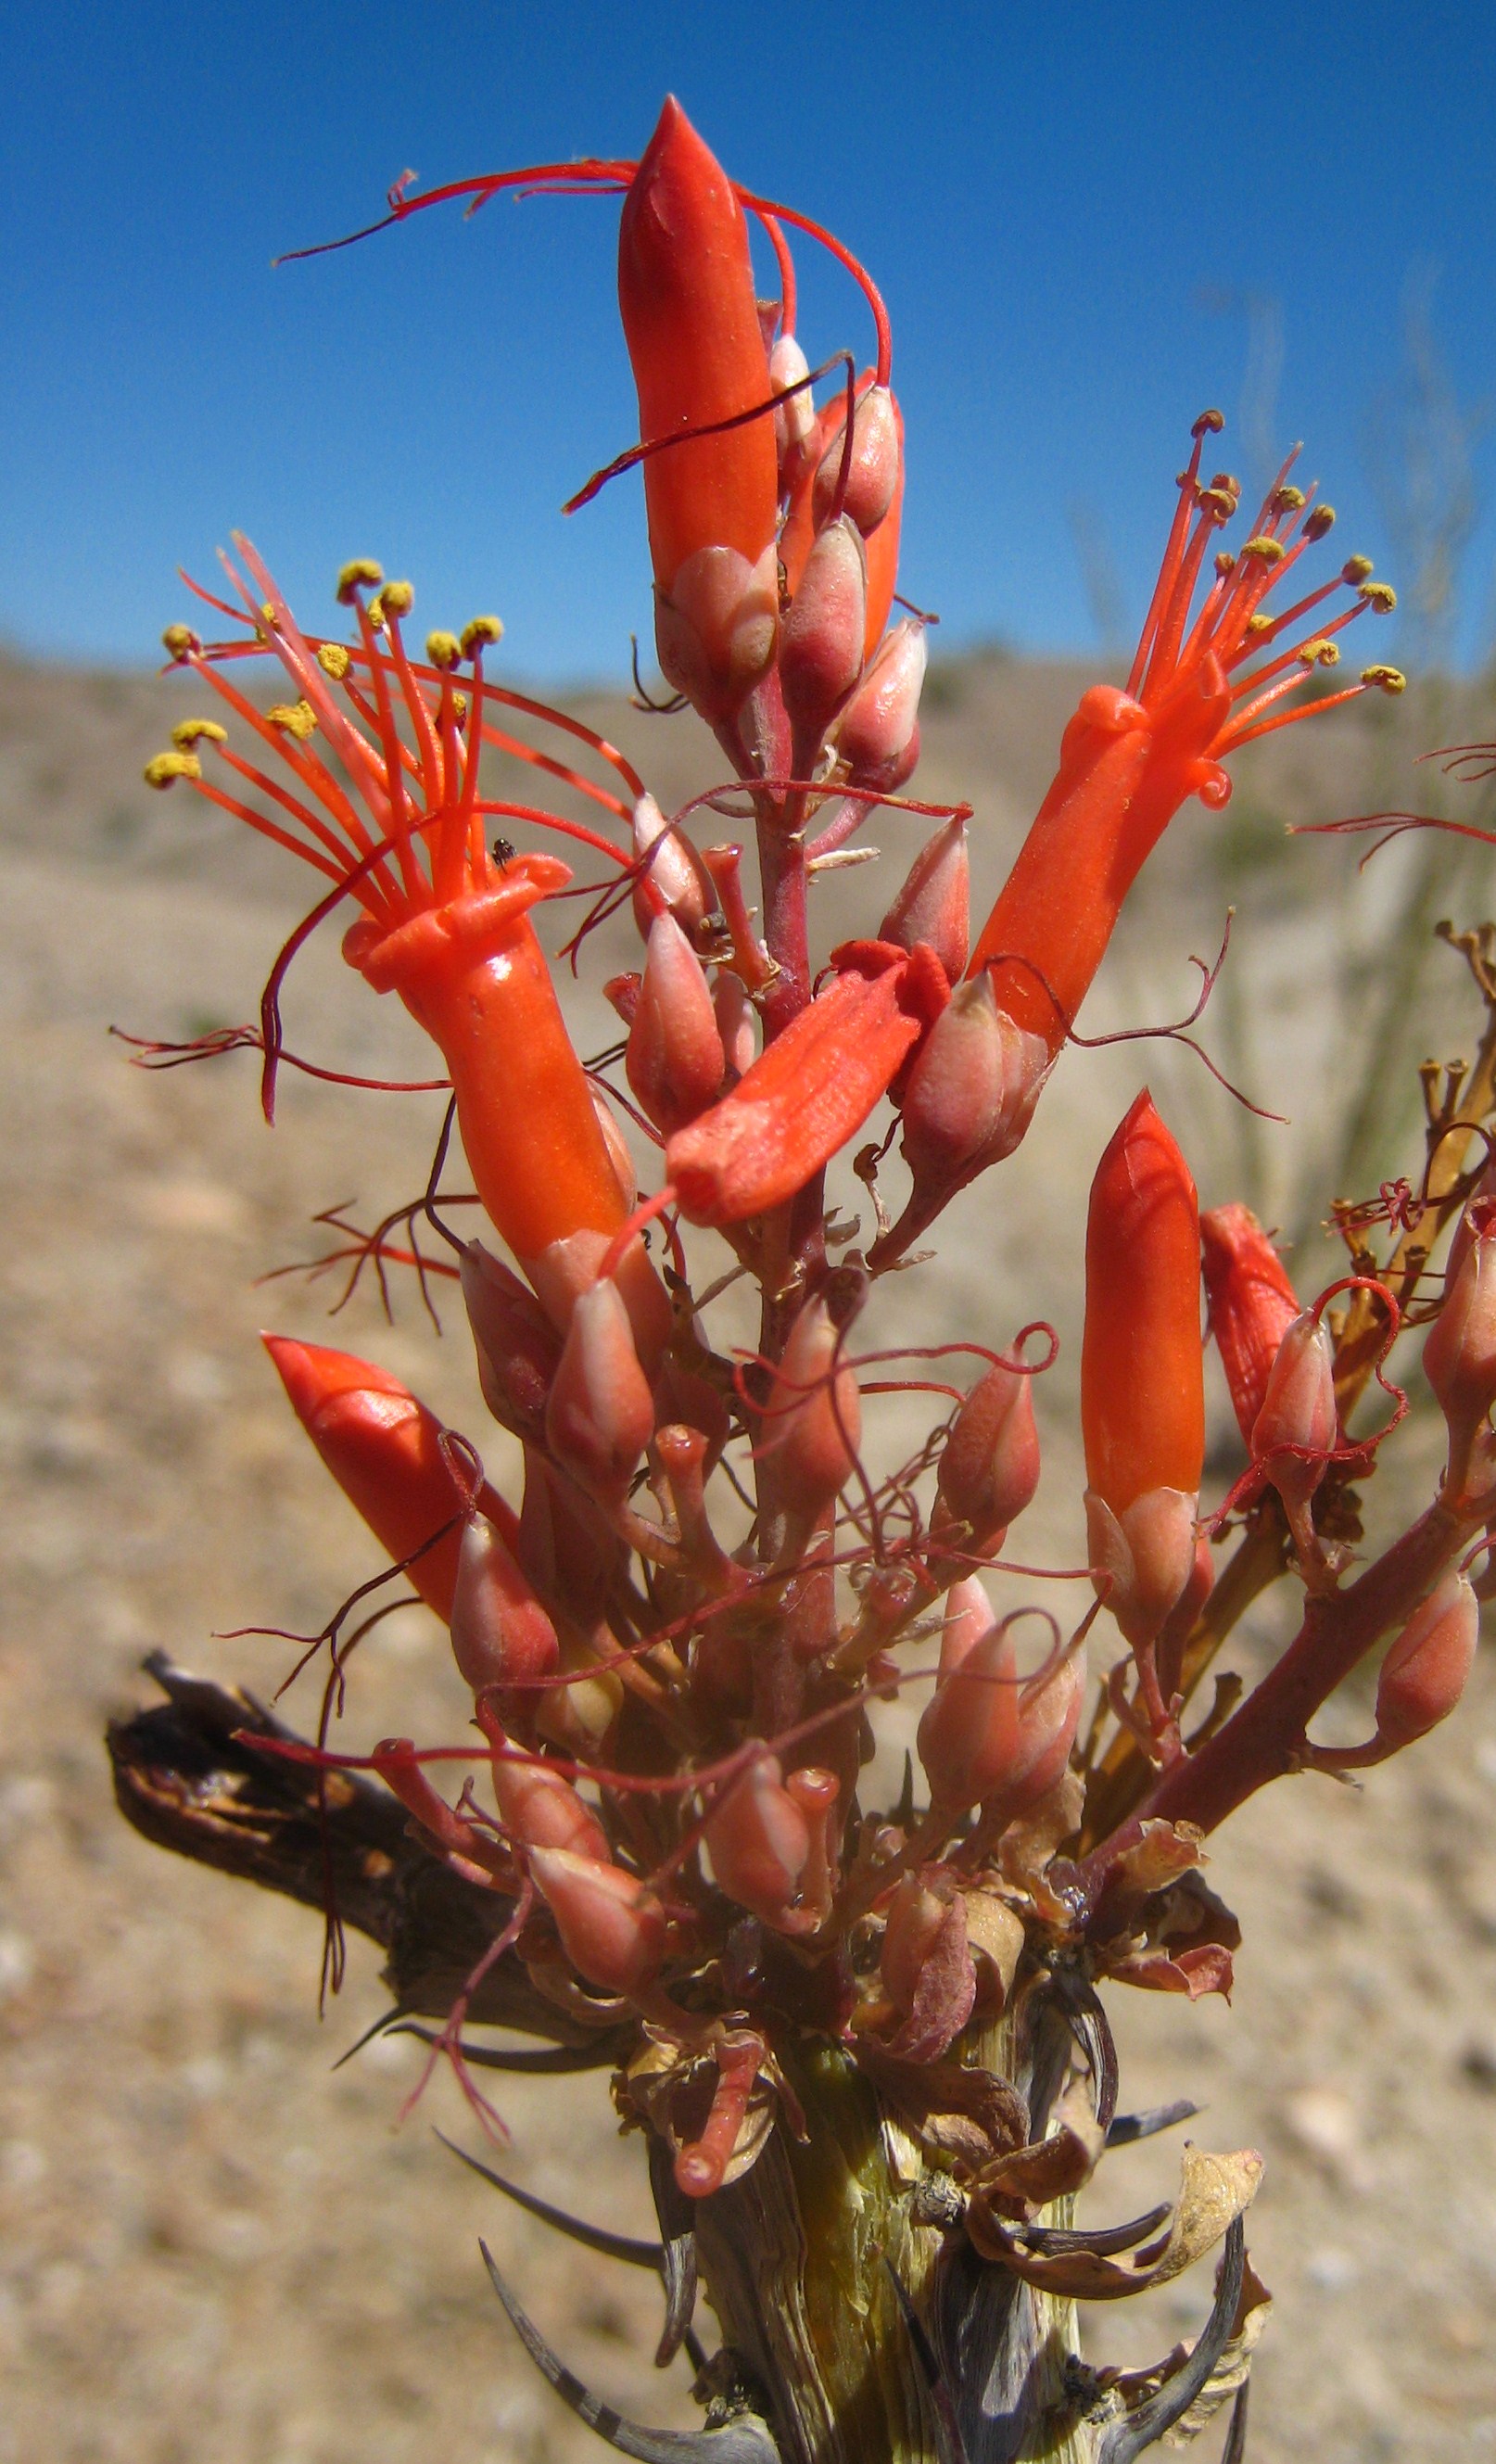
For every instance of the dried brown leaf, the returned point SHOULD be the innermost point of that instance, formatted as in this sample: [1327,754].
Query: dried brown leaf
[1213,2190]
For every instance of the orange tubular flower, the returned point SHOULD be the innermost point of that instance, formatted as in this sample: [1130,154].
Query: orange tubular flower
[446,924]
[383,1448]
[1142,1387]
[691,318]
[1129,759]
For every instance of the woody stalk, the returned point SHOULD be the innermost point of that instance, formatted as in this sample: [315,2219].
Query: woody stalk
[863,2046]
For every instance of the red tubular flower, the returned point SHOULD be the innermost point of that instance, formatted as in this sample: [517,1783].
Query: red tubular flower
[447,925]
[691,319]
[383,1448]
[1142,1388]
[1129,759]
[805,1095]
[1252,1304]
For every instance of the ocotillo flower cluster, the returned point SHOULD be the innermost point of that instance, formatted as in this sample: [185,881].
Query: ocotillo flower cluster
[678,1635]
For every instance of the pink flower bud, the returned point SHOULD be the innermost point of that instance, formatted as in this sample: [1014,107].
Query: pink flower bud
[675,878]
[517,1347]
[760,1844]
[795,420]
[935,903]
[970,1096]
[812,1422]
[675,1058]
[1251,1304]
[1424,1673]
[877,735]
[541,1808]
[989,1466]
[1298,1411]
[734,1023]
[968,1617]
[968,1734]
[621,992]
[611,1926]
[917,1913]
[1048,1715]
[500,1634]
[600,1415]
[1142,1558]
[716,632]
[1460,1354]
[874,466]
[821,644]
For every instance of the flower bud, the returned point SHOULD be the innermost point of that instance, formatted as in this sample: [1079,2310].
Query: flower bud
[874,462]
[918,1914]
[795,420]
[877,735]
[934,904]
[1424,1673]
[821,644]
[760,1844]
[516,1345]
[812,1421]
[1298,1412]
[1048,1715]
[540,1809]
[1142,1560]
[968,1734]
[611,1926]
[675,1058]
[500,1634]
[1142,1390]
[1460,1354]
[968,1617]
[989,1464]
[715,633]
[969,1097]
[1252,1303]
[673,876]
[600,1416]
[883,548]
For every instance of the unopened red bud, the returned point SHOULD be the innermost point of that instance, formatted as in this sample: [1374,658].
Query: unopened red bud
[968,1617]
[1143,1558]
[715,631]
[934,904]
[1142,1389]
[968,1732]
[874,469]
[883,551]
[1048,1715]
[877,735]
[541,1808]
[674,1059]
[517,1347]
[1425,1672]
[622,994]
[1252,1303]
[970,1095]
[919,1912]
[1460,1354]
[673,875]
[795,420]
[812,1422]
[989,1464]
[501,1635]
[760,1844]
[1298,1411]
[611,1926]
[600,1416]
[821,643]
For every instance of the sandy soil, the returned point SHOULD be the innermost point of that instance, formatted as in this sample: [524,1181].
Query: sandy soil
[210,2242]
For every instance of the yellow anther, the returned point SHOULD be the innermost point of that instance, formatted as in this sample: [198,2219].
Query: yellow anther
[1225,562]
[180,639]
[1320,653]
[1355,570]
[268,616]
[398,598]
[163,768]
[1322,519]
[1217,503]
[361,573]
[1228,480]
[443,649]
[297,718]
[1270,551]
[1288,499]
[191,731]
[483,631]
[459,706]
[1210,423]
[1380,597]
[1390,681]
[333,660]
[1261,623]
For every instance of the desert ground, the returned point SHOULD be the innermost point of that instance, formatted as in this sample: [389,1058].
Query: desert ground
[214,2245]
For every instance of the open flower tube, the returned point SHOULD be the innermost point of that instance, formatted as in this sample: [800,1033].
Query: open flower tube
[776,1781]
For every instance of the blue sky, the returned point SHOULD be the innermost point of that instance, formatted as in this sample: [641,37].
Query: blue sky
[1072,212]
